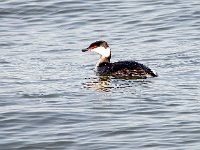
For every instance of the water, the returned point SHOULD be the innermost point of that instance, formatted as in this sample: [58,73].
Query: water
[50,97]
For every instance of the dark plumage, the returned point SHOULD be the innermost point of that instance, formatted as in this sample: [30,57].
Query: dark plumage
[125,69]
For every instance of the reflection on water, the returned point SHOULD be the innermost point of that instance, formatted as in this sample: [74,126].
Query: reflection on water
[100,84]
[107,83]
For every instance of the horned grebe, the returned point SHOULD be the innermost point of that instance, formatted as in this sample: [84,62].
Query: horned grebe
[127,69]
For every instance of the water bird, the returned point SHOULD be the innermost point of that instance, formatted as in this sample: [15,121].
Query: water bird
[120,69]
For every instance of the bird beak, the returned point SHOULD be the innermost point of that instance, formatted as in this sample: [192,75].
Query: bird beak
[85,50]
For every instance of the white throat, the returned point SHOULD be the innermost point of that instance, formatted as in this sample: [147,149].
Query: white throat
[102,51]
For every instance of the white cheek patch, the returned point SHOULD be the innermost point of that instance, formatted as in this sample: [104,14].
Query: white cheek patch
[102,51]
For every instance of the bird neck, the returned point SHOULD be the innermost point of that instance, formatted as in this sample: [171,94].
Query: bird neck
[103,59]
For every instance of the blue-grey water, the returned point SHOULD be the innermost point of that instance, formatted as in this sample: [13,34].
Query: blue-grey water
[50,97]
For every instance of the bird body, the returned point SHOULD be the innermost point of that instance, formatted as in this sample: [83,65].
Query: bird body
[127,69]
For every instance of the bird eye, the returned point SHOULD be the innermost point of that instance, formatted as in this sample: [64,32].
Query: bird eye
[93,47]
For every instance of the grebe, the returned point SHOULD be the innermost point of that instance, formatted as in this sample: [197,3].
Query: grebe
[124,69]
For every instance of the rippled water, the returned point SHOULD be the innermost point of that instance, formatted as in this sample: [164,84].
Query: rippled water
[50,97]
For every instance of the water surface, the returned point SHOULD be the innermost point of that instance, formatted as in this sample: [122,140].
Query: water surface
[50,97]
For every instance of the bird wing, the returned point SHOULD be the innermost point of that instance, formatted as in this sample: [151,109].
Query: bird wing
[130,68]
